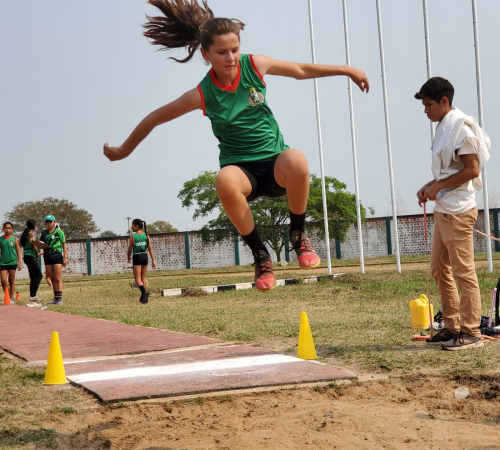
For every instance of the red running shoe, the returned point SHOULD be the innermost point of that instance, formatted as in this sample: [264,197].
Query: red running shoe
[308,259]
[264,276]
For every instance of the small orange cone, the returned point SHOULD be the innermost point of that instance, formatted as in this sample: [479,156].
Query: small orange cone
[6,297]
[54,373]
[306,349]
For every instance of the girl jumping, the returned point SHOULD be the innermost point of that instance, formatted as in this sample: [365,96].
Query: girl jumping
[139,245]
[31,255]
[254,159]
[10,259]
[55,255]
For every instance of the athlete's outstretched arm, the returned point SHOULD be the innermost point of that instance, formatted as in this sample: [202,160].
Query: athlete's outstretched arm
[35,242]
[304,71]
[187,102]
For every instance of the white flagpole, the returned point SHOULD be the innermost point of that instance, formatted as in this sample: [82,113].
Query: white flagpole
[388,137]
[320,143]
[480,110]
[353,140]
[428,54]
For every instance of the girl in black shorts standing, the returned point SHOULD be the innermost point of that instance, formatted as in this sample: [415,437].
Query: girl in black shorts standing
[31,256]
[10,259]
[139,245]
[55,255]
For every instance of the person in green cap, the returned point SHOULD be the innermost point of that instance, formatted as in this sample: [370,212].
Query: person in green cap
[10,259]
[55,255]
[254,158]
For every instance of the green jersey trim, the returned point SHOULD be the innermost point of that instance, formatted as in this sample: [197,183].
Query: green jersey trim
[256,70]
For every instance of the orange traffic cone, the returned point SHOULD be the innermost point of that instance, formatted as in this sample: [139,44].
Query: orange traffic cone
[54,373]
[6,297]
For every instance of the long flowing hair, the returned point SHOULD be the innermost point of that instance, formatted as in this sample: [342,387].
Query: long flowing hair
[187,24]
[30,225]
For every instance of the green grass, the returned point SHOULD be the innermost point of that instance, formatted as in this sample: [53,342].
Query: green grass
[181,277]
[14,437]
[7,412]
[64,409]
[360,321]
[17,375]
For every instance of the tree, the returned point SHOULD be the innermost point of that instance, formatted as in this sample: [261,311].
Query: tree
[108,234]
[340,204]
[271,215]
[75,222]
[160,226]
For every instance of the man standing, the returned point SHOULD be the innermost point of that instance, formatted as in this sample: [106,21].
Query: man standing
[459,152]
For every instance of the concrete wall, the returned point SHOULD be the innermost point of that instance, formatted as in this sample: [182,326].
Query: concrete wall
[109,255]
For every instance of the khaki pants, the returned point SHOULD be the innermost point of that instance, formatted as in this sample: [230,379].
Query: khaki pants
[453,251]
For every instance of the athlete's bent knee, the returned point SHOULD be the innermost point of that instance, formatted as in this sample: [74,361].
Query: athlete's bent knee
[226,186]
[296,164]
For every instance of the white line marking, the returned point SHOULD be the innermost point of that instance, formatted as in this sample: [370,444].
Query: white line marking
[176,369]
[241,286]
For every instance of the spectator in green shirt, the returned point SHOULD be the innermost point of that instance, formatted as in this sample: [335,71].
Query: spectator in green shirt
[55,255]
[10,259]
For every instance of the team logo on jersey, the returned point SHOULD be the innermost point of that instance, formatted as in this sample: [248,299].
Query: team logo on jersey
[256,98]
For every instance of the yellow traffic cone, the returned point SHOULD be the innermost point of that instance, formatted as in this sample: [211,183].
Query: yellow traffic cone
[54,373]
[6,297]
[306,348]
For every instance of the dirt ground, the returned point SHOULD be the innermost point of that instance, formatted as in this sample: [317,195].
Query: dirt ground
[405,411]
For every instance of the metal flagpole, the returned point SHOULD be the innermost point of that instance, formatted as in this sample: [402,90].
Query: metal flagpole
[480,110]
[428,55]
[320,143]
[388,137]
[353,140]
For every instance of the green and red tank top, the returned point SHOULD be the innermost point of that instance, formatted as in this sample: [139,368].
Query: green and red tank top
[140,243]
[241,119]
[8,255]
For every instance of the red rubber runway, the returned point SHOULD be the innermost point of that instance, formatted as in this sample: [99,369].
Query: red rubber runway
[26,333]
[157,363]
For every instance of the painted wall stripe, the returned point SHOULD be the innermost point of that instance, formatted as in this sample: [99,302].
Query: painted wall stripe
[177,369]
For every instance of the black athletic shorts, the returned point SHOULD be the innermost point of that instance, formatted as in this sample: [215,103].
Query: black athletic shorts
[140,259]
[10,267]
[261,177]
[52,258]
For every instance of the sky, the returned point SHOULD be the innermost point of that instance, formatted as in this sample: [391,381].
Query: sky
[74,75]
